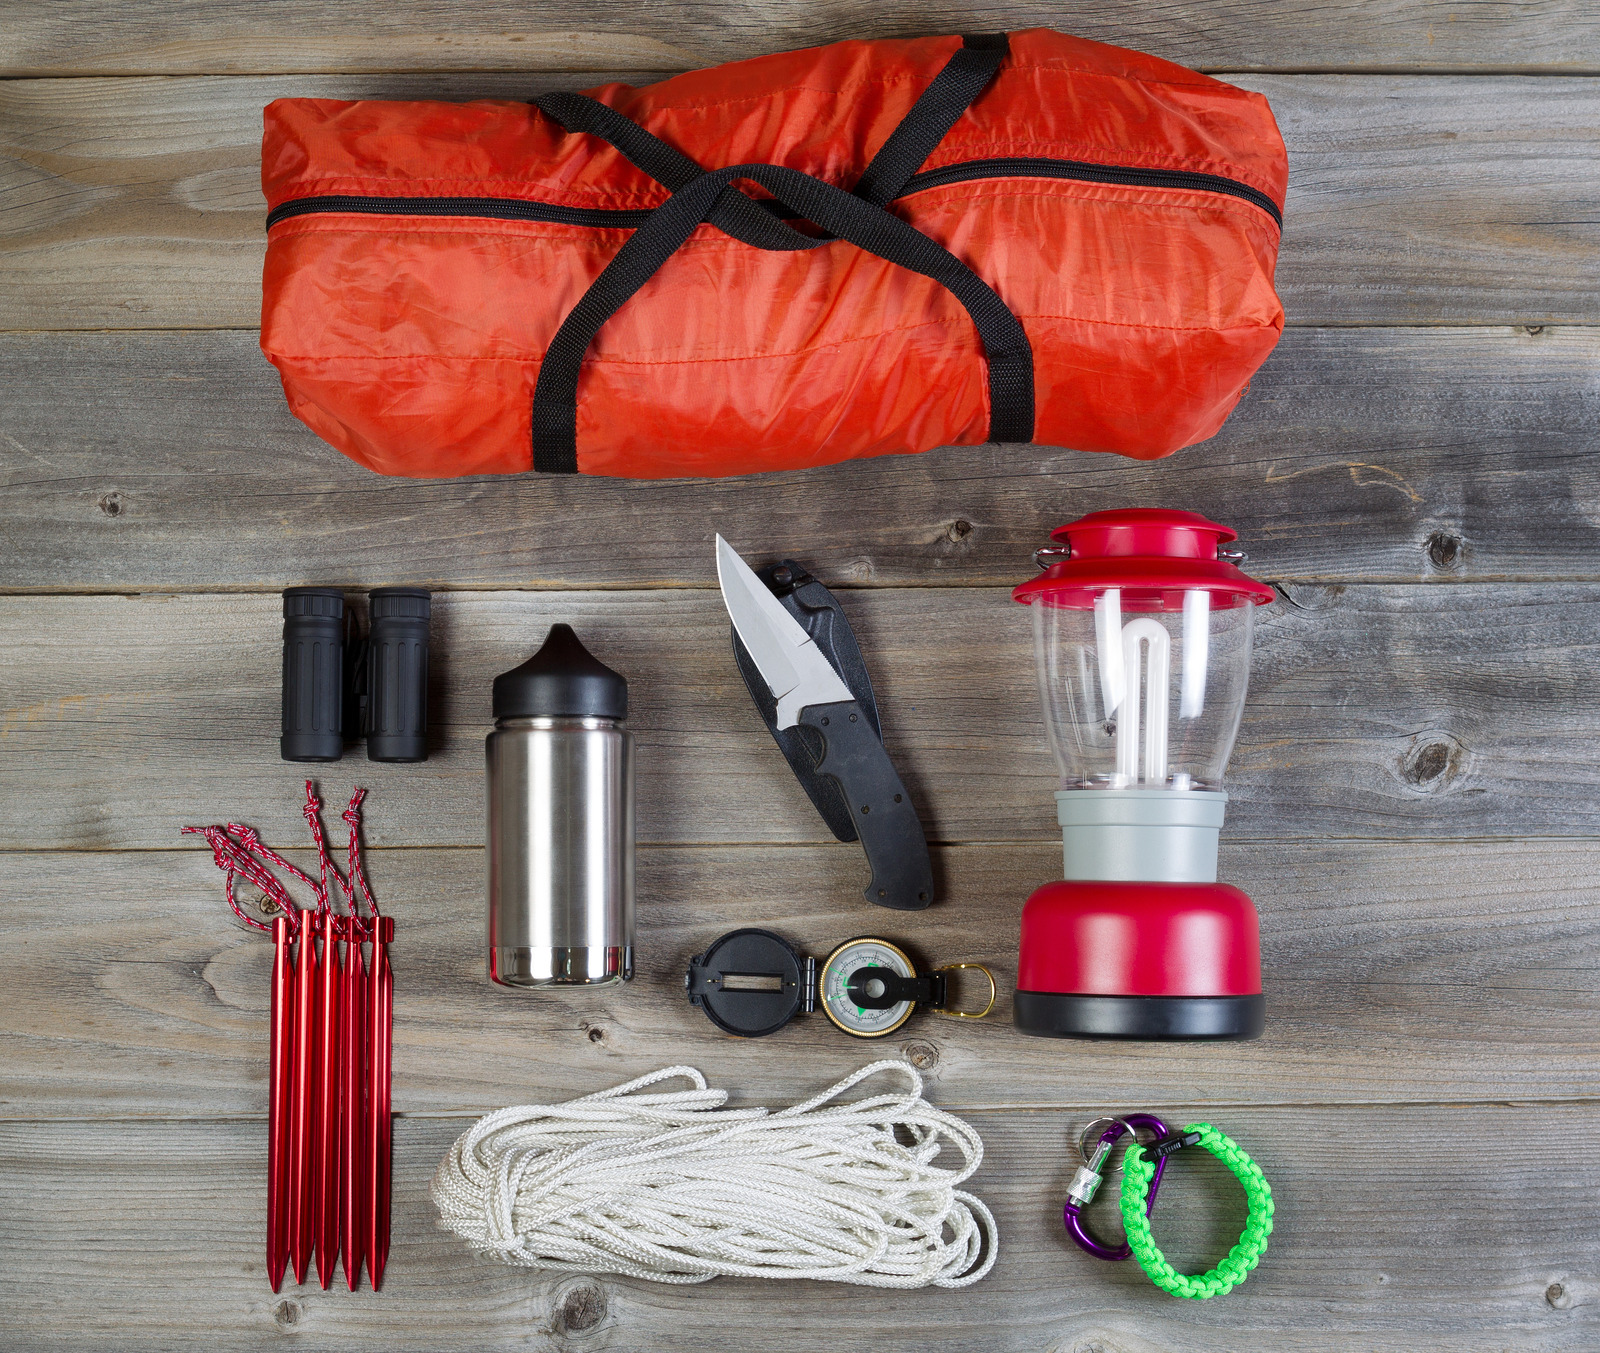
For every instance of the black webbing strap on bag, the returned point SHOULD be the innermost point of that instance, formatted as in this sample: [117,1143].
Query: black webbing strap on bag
[1005,342]
[742,217]
[709,195]
[936,110]
[965,76]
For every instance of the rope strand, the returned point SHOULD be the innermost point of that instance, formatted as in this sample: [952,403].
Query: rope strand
[239,850]
[674,1187]
[313,816]
[233,857]
[357,871]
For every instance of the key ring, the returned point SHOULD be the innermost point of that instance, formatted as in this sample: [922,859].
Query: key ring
[1086,1183]
[969,1014]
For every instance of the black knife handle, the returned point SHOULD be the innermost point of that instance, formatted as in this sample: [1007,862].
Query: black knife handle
[897,851]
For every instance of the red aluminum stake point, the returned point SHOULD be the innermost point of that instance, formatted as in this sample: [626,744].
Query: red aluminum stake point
[279,1071]
[353,1130]
[303,1097]
[380,1020]
[325,1154]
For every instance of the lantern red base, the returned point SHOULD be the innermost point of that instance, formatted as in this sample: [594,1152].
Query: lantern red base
[1139,960]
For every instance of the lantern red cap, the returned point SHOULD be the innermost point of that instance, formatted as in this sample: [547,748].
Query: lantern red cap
[1153,555]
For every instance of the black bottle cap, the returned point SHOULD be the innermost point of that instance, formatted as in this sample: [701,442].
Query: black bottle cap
[563,680]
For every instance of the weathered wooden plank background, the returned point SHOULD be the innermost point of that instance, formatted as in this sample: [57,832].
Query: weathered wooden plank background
[1414,789]
[82,37]
[1379,711]
[1390,981]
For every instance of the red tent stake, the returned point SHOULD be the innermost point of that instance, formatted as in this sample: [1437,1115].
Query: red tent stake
[280,1071]
[353,1139]
[330,1100]
[303,1100]
[380,1020]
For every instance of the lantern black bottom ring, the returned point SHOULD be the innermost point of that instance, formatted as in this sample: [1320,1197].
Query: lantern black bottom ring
[1052,1014]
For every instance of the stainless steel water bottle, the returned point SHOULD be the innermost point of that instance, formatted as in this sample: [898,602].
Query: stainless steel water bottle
[561,835]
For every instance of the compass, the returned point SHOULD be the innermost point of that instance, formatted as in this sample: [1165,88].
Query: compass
[867,987]
[753,982]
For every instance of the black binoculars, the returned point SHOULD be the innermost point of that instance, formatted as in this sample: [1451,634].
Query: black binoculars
[338,685]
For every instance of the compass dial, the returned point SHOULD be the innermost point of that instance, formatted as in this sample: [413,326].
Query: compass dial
[833,984]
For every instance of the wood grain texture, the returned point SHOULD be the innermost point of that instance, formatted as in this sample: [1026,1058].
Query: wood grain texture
[1394,971]
[1436,201]
[1484,1249]
[135,203]
[1380,455]
[71,37]
[1373,711]
[1430,418]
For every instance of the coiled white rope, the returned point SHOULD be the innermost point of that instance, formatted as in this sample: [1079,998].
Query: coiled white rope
[675,1188]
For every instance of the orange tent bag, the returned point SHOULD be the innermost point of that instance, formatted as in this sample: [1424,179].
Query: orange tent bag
[862,249]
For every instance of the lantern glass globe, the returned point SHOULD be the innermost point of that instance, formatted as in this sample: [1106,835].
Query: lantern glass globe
[1142,689]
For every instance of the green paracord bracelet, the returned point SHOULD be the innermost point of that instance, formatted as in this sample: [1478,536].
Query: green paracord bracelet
[1137,1172]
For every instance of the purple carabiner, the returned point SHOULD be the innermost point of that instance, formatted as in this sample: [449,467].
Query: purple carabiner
[1072,1213]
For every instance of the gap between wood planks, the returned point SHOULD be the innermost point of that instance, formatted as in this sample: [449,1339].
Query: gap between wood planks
[546,589]
[1090,1109]
[979,843]
[1227,72]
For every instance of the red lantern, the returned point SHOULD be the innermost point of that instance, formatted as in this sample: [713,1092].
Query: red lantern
[1142,631]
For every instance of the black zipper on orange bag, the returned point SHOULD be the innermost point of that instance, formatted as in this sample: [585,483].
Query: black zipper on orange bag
[492,208]
[520,209]
[1085,171]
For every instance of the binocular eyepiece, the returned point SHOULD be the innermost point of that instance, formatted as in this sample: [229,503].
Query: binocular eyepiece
[337,685]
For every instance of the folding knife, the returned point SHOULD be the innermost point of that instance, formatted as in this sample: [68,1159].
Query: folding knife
[811,694]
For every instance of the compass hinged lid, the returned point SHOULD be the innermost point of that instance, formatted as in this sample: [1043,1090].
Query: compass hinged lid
[752,982]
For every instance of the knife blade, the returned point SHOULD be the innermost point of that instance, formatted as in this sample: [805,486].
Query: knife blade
[819,613]
[793,667]
[810,693]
